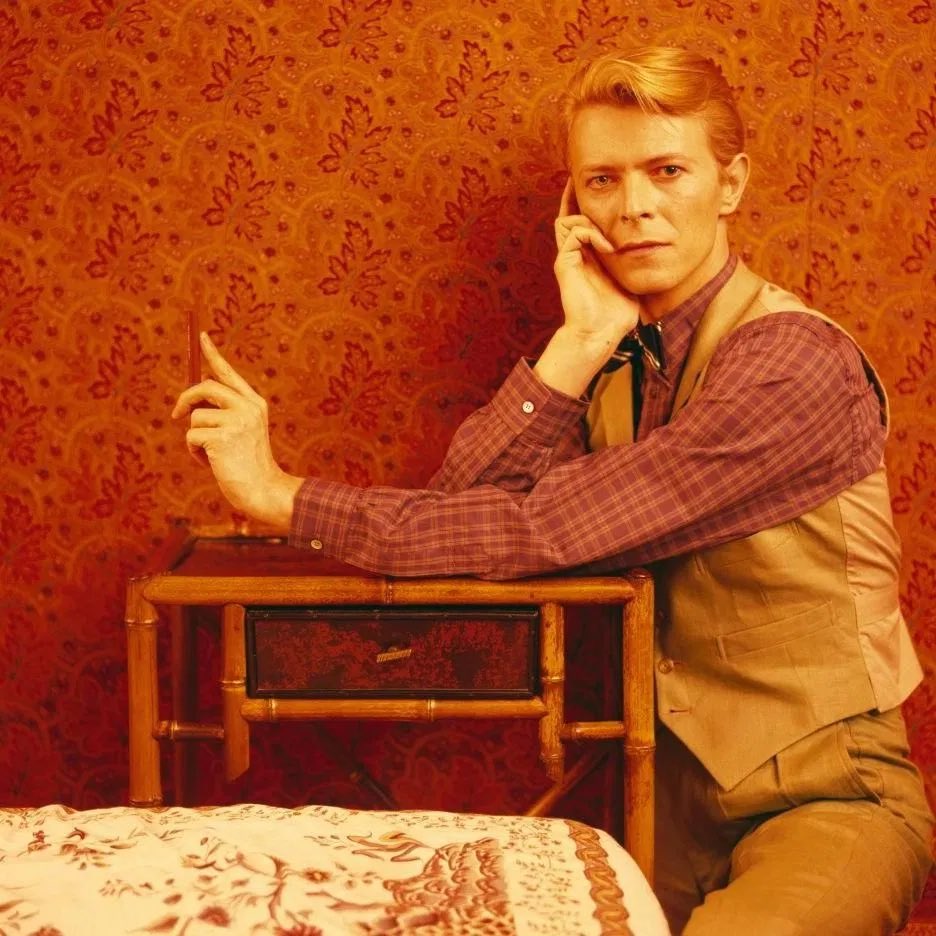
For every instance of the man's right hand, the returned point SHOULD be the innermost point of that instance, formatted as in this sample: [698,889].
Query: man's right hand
[598,312]
[595,306]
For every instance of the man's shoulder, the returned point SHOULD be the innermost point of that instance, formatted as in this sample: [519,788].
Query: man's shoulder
[794,342]
[793,333]
[786,323]
[782,314]
[772,299]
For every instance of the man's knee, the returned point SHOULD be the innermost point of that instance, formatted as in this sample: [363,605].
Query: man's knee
[836,868]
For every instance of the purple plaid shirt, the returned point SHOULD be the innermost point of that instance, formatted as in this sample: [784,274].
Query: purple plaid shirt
[785,420]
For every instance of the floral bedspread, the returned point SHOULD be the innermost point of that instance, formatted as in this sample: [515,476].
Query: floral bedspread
[313,871]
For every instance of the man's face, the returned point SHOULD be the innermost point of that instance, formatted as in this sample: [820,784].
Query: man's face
[651,183]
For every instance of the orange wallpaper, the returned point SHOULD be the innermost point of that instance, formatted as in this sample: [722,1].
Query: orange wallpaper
[357,196]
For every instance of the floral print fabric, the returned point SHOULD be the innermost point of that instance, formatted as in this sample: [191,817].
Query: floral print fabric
[313,871]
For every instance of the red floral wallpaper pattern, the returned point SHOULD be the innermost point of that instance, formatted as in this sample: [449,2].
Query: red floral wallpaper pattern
[356,196]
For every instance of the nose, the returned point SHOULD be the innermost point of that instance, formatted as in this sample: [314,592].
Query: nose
[635,198]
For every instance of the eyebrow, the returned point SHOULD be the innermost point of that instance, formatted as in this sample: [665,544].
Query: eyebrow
[671,157]
[664,158]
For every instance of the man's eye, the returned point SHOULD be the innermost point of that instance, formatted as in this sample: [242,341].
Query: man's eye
[670,172]
[599,181]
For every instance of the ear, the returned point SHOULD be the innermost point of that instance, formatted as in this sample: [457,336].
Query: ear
[734,178]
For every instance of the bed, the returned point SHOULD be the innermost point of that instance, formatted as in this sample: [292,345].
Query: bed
[313,871]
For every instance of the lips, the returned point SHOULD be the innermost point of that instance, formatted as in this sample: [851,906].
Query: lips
[640,246]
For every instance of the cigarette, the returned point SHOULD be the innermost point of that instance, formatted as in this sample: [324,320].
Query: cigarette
[194,349]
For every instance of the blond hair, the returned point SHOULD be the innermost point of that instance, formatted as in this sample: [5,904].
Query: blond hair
[662,80]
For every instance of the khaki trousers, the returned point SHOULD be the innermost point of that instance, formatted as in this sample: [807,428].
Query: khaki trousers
[831,837]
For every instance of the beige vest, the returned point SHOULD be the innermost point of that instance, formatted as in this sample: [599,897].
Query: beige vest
[764,639]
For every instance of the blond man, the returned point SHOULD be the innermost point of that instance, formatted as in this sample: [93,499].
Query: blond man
[689,416]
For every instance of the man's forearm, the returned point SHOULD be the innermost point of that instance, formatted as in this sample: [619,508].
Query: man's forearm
[514,439]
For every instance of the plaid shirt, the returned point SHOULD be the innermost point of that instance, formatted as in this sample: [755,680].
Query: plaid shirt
[786,419]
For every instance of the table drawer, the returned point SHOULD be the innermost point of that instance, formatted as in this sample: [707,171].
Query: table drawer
[479,652]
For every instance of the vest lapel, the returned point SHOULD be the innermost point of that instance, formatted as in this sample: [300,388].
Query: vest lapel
[721,316]
[610,415]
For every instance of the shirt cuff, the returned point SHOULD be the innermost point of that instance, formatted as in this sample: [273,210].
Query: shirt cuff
[322,515]
[529,408]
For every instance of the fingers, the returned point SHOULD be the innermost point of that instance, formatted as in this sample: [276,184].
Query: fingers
[567,204]
[225,390]
[566,225]
[208,418]
[218,397]
[195,443]
[222,370]
[574,229]
[569,211]
[208,391]
[570,239]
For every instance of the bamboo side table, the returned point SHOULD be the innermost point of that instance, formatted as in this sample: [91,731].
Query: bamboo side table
[209,566]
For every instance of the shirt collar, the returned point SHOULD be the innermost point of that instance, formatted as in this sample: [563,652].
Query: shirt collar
[679,324]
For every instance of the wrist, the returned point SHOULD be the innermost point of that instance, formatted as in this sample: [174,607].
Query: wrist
[589,345]
[278,502]
[572,358]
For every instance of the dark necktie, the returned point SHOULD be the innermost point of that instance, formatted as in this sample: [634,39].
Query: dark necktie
[644,343]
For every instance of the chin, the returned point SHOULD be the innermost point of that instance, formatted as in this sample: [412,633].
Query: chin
[645,282]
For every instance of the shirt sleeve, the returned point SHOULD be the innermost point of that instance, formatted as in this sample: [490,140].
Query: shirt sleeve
[785,420]
[515,439]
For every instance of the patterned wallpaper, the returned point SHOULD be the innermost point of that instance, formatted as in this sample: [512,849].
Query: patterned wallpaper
[357,196]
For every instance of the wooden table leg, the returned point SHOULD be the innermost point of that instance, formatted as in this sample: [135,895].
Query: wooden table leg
[638,742]
[552,676]
[234,692]
[610,647]
[143,690]
[570,780]
[357,773]
[184,685]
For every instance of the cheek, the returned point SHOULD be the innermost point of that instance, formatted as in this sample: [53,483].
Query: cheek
[694,219]
[600,212]
[702,206]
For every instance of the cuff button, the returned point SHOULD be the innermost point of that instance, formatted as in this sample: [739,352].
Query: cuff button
[316,544]
[527,407]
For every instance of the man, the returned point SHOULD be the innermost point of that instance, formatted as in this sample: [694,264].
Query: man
[754,484]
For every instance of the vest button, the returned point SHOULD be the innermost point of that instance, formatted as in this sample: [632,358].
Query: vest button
[665,665]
